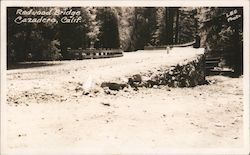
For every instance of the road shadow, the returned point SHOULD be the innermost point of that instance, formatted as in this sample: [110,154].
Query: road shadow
[26,65]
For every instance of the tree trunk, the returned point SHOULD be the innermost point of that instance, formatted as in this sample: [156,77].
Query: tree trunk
[177,27]
[169,25]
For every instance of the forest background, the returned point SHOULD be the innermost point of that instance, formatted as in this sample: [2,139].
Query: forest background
[126,28]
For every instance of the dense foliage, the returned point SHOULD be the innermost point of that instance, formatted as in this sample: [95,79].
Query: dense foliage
[221,37]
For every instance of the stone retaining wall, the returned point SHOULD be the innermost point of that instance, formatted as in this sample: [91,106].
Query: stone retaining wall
[188,74]
[185,74]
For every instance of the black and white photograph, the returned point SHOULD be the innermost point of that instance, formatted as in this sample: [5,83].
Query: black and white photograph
[124,77]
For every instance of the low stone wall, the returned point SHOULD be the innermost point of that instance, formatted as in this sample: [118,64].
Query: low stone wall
[188,74]
[185,74]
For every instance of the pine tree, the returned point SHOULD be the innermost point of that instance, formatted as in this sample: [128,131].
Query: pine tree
[93,26]
[158,37]
[126,27]
[109,33]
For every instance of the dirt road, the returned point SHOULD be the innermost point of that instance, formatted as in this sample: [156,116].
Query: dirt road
[45,112]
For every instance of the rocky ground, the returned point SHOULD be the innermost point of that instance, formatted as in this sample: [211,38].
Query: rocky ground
[47,109]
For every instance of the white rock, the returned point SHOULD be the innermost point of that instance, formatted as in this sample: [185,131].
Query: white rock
[88,84]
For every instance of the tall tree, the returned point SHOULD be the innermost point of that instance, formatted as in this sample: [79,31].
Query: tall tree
[109,33]
[126,22]
[74,35]
[93,26]
[176,38]
[187,27]
[169,25]
[159,35]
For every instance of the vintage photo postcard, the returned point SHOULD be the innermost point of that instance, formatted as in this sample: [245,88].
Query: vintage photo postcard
[125,77]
